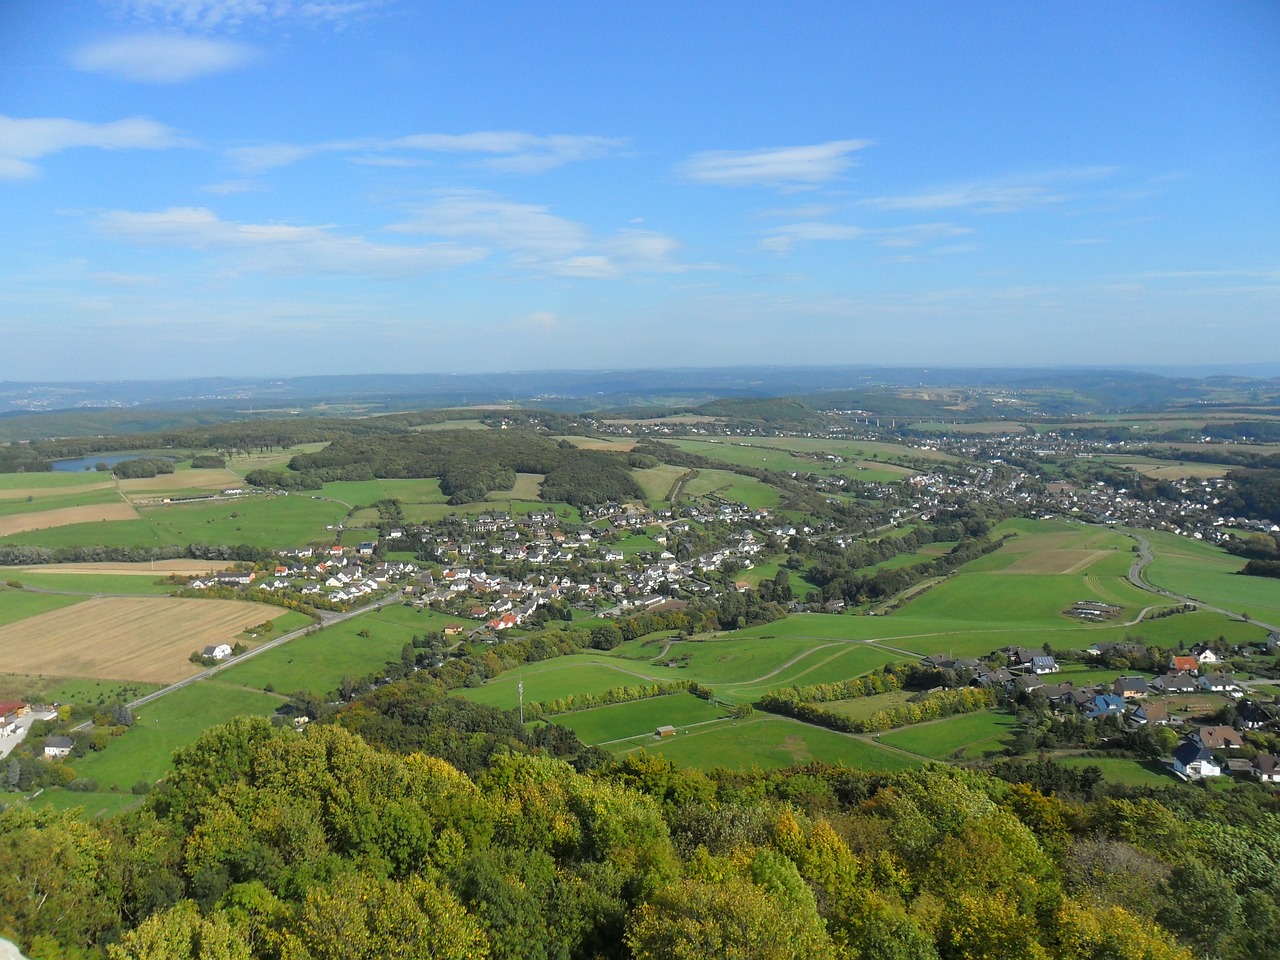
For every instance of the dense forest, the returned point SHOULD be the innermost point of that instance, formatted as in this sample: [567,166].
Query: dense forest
[269,843]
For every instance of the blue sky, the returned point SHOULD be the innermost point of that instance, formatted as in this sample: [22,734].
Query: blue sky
[280,187]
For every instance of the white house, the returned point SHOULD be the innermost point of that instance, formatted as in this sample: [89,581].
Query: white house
[219,651]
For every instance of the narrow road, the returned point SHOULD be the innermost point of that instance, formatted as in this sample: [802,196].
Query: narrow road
[1136,577]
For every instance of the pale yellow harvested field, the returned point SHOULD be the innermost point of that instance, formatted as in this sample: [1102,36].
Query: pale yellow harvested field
[1056,561]
[213,480]
[40,492]
[601,443]
[192,567]
[123,638]
[63,516]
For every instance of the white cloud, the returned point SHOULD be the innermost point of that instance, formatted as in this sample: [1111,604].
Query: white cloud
[787,167]
[537,239]
[161,58]
[233,14]
[507,151]
[24,140]
[281,247]
[782,239]
[997,196]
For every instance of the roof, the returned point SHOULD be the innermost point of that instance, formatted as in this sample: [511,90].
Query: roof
[60,743]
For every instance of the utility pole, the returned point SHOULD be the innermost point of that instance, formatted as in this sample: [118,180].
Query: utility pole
[520,685]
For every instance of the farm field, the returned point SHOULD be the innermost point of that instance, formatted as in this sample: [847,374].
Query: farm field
[92,693]
[26,523]
[638,719]
[1135,773]
[528,487]
[601,443]
[849,449]
[146,638]
[18,605]
[763,454]
[180,481]
[145,751]
[153,568]
[768,742]
[51,483]
[93,584]
[317,662]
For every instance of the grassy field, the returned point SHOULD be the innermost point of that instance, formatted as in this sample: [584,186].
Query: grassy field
[639,718]
[976,734]
[1134,773]
[91,803]
[731,486]
[1207,573]
[317,662]
[51,482]
[528,487]
[33,526]
[767,742]
[145,638]
[91,584]
[656,482]
[552,679]
[145,752]
[35,689]
[58,498]
[16,605]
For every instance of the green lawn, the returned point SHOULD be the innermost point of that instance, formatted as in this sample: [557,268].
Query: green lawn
[767,742]
[639,718]
[656,482]
[731,486]
[978,734]
[145,752]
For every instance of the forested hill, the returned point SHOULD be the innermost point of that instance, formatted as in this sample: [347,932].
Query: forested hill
[470,464]
[269,843]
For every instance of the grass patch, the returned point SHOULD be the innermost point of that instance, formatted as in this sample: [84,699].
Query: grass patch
[639,718]
[977,734]
[91,804]
[768,742]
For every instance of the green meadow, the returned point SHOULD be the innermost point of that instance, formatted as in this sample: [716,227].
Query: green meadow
[93,584]
[17,605]
[317,662]
[731,486]
[638,718]
[563,676]
[50,480]
[1205,572]
[57,501]
[977,734]
[768,742]
[145,751]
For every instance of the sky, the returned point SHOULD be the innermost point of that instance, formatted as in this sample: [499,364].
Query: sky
[288,187]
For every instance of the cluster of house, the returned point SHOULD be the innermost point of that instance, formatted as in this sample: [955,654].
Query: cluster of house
[1208,752]
[339,575]
[10,711]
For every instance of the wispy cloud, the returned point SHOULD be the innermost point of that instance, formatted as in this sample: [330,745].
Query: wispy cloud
[1006,195]
[784,167]
[536,239]
[282,248]
[502,150]
[161,58]
[781,240]
[25,140]
[233,14]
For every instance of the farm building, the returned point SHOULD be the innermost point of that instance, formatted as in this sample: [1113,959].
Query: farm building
[218,651]
[665,731]
[56,747]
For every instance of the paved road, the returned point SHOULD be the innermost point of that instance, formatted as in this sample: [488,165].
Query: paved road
[1136,578]
[327,619]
